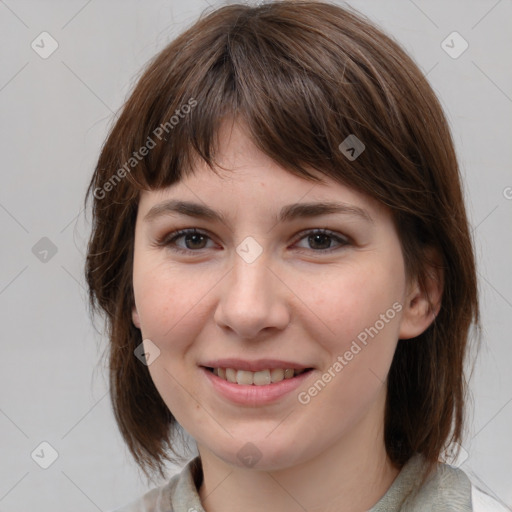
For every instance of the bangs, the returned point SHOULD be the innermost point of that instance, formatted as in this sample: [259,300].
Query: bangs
[297,104]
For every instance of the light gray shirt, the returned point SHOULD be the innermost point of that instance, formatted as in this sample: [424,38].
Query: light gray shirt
[447,489]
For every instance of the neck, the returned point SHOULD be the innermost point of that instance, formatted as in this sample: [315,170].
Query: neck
[350,476]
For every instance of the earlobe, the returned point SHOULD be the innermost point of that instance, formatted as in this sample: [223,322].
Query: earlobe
[422,305]
[135,317]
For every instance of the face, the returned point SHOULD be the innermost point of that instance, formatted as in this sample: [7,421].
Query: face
[270,294]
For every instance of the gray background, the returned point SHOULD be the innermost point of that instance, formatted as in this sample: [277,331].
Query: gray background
[55,115]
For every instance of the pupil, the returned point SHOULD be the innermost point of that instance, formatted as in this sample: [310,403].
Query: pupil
[320,235]
[194,236]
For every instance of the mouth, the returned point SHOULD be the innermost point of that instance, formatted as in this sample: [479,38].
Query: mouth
[260,378]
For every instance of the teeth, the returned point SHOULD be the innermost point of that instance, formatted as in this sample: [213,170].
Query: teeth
[288,373]
[261,378]
[243,377]
[230,375]
[276,374]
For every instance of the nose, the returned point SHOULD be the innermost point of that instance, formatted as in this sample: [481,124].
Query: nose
[253,299]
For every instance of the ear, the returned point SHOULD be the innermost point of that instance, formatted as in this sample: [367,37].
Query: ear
[423,305]
[135,317]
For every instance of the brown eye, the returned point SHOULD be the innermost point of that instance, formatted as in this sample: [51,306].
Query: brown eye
[194,240]
[320,240]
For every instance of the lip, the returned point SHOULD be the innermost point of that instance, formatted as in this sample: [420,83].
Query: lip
[252,395]
[254,366]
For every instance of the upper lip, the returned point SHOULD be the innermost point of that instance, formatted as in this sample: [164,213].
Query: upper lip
[254,366]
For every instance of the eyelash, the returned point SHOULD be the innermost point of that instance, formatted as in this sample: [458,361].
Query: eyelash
[169,240]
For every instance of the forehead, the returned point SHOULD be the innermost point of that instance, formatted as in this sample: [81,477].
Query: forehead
[247,178]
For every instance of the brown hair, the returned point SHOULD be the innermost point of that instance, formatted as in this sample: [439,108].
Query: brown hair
[302,76]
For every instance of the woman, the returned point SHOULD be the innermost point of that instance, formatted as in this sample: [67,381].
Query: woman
[281,250]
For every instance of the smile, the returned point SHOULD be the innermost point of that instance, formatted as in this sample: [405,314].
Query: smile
[260,378]
[254,389]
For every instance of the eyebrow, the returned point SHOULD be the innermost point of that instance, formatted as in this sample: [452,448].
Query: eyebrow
[287,213]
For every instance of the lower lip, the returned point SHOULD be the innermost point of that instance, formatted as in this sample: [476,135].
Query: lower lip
[255,395]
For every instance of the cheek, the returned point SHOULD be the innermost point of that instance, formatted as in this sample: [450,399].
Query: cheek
[360,311]
[345,301]
[169,302]
[171,310]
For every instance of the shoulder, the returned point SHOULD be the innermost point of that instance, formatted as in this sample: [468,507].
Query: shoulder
[450,488]
[179,493]
[446,488]
[155,500]
[456,485]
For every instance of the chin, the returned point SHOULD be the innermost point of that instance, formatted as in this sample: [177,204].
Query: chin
[261,454]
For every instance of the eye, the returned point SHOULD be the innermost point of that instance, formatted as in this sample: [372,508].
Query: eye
[320,240]
[194,240]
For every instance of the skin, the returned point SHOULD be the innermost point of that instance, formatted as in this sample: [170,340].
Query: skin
[293,302]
